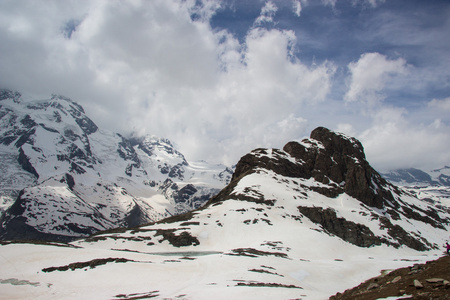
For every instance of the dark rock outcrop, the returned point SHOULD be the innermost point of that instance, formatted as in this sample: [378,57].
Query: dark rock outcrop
[341,160]
[24,161]
[357,234]
[329,158]
[9,94]
[135,217]
[182,240]
[337,162]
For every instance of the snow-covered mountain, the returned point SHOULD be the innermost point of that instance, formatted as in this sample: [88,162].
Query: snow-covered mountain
[306,222]
[64,177]
[431,186]
[419,178]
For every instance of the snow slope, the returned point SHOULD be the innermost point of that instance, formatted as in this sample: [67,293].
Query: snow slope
[414,177]
[316,267]
[431,186]
[63,177]
[257,239]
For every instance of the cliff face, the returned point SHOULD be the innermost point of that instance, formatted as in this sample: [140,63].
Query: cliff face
[341,160]
[334,164]
[330,158]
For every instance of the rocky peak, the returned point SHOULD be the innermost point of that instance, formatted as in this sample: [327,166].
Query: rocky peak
[339,159]
[161,149]
[333,165]
[8,94]
[328,156]
[335,142]
[331,158]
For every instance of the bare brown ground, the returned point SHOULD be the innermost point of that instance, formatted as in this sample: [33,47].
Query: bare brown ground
[434,278]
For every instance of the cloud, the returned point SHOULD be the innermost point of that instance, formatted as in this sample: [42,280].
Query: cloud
[158,40]
[393,141]
[441,104]
[371,3]
[370,75]
[331,3]
[375,3]
[258,99]
[159,67]
[297,6]
[267,13]
[346,128]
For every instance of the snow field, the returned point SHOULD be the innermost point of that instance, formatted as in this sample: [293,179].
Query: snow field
[191,277]
[318,263]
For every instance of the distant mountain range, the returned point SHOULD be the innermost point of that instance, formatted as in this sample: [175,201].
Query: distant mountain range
[419,178]
[63,177]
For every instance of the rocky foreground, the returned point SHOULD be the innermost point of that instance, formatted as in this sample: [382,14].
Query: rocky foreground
[421,281]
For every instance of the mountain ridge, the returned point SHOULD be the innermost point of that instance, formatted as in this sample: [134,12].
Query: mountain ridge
[284,227]
[88,179]
[352,176]
[419,178]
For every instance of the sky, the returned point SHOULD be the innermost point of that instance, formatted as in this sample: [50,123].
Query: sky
[220,78]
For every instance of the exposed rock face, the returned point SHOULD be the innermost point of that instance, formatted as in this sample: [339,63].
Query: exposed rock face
[336,164]
[341,160]
[329,158]
[357,234]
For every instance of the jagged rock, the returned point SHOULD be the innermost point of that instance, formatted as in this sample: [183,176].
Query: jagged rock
[8,94]
[338,164]
[341,159]
[351,232]
[135,217]
[329,158]
[69,180]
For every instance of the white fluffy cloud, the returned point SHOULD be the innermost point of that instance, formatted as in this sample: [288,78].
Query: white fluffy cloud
[157,67]
[254,103]
[267,13]
[148,66]
[393,141]
[369,76]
